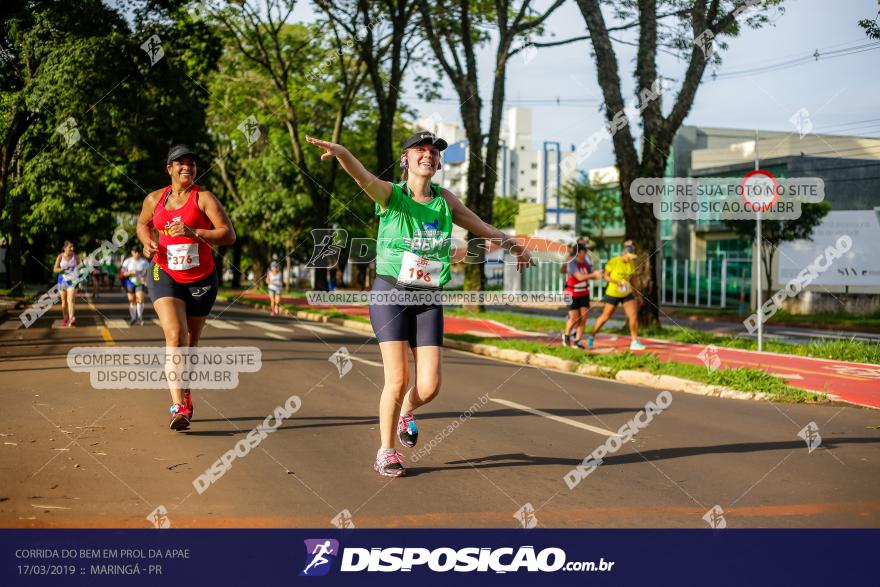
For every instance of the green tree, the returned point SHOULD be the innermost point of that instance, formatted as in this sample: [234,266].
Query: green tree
[315,88]
[504,210]
[776,232]
[872,29]
[596,208]
[455,30]
[386,37]
[87,116]
[689,30]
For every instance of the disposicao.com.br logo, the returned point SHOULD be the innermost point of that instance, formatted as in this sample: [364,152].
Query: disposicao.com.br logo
[442,560]
[321,553]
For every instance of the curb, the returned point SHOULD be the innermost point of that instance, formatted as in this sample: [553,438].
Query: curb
[629,376]
[640,378]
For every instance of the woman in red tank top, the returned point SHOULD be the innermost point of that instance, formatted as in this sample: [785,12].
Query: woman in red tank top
[182,281]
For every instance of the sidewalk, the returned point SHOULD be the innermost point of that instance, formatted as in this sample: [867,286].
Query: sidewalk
[855,383]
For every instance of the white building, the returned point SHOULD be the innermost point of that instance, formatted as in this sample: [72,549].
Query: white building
[525,172]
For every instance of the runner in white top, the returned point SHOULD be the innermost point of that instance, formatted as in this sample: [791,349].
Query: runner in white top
[134,277]
[273,280]
[65,267]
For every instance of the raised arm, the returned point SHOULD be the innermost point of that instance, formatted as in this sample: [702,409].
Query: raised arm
[467,219]
[377,189]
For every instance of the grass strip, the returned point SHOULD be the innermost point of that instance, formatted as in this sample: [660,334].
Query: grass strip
[741,379]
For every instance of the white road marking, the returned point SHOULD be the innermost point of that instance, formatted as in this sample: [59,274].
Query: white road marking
[274,335]
[115,323]
[268,326]
[366,361]
[157,322]
[317,329]
[554,417]
[221,324]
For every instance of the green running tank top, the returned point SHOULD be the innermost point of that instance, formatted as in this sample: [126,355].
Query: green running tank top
[414,240]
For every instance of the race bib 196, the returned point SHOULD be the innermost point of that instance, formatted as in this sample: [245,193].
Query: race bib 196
[419,271]
[182,257]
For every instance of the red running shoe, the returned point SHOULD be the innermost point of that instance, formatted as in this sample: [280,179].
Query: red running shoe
[180,416]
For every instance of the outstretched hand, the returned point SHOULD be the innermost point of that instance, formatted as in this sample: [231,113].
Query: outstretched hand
[330,149]
[524,260]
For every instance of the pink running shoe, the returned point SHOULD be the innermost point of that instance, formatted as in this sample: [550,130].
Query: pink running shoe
[389,463]
[407,431]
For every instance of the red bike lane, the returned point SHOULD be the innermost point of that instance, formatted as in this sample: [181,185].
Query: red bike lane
[856,383]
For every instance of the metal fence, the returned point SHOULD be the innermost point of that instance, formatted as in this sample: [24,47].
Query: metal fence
[720,283]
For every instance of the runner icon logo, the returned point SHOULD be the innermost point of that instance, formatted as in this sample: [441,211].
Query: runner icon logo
[802,122]
[153,48]
[526,516]
[810,434]
[320,555]
[710,358]
[342,360]
[715,518]
[68,130]
[343,520]
[159,517]
[328,245]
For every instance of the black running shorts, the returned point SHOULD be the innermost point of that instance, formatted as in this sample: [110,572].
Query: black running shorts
[616,300]
[581,302]
[418,325]
[198,296]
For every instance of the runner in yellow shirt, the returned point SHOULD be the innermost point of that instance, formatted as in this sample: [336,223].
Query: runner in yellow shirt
[618,273]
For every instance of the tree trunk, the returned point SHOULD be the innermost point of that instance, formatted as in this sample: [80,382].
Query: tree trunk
[474,276]
[14,256]
[359,276]
[9,150]
[288,266]
[642,228]
[236,263]
[385,159]
[219,259]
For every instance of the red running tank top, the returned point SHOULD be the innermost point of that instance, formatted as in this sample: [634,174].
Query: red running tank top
[578,289]
[185,259]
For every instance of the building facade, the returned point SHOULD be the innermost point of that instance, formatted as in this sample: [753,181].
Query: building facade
[524,171]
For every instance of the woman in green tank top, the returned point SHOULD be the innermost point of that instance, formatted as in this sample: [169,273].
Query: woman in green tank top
[413,252]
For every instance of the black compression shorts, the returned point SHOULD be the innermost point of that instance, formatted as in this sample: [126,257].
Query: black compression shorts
[198,296]
[419,325]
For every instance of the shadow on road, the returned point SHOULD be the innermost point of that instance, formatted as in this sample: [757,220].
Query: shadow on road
[524,460]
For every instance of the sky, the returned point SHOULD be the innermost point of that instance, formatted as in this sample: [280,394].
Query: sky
[836,91]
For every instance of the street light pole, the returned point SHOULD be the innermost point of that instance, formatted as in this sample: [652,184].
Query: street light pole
[760,285]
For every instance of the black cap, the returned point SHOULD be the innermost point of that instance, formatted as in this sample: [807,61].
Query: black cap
[178,151]
[423,137]
[580,247]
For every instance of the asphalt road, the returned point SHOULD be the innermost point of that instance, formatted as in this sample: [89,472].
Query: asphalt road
[74,456]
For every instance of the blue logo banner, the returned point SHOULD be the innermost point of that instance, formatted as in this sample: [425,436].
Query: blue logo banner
[434,557]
